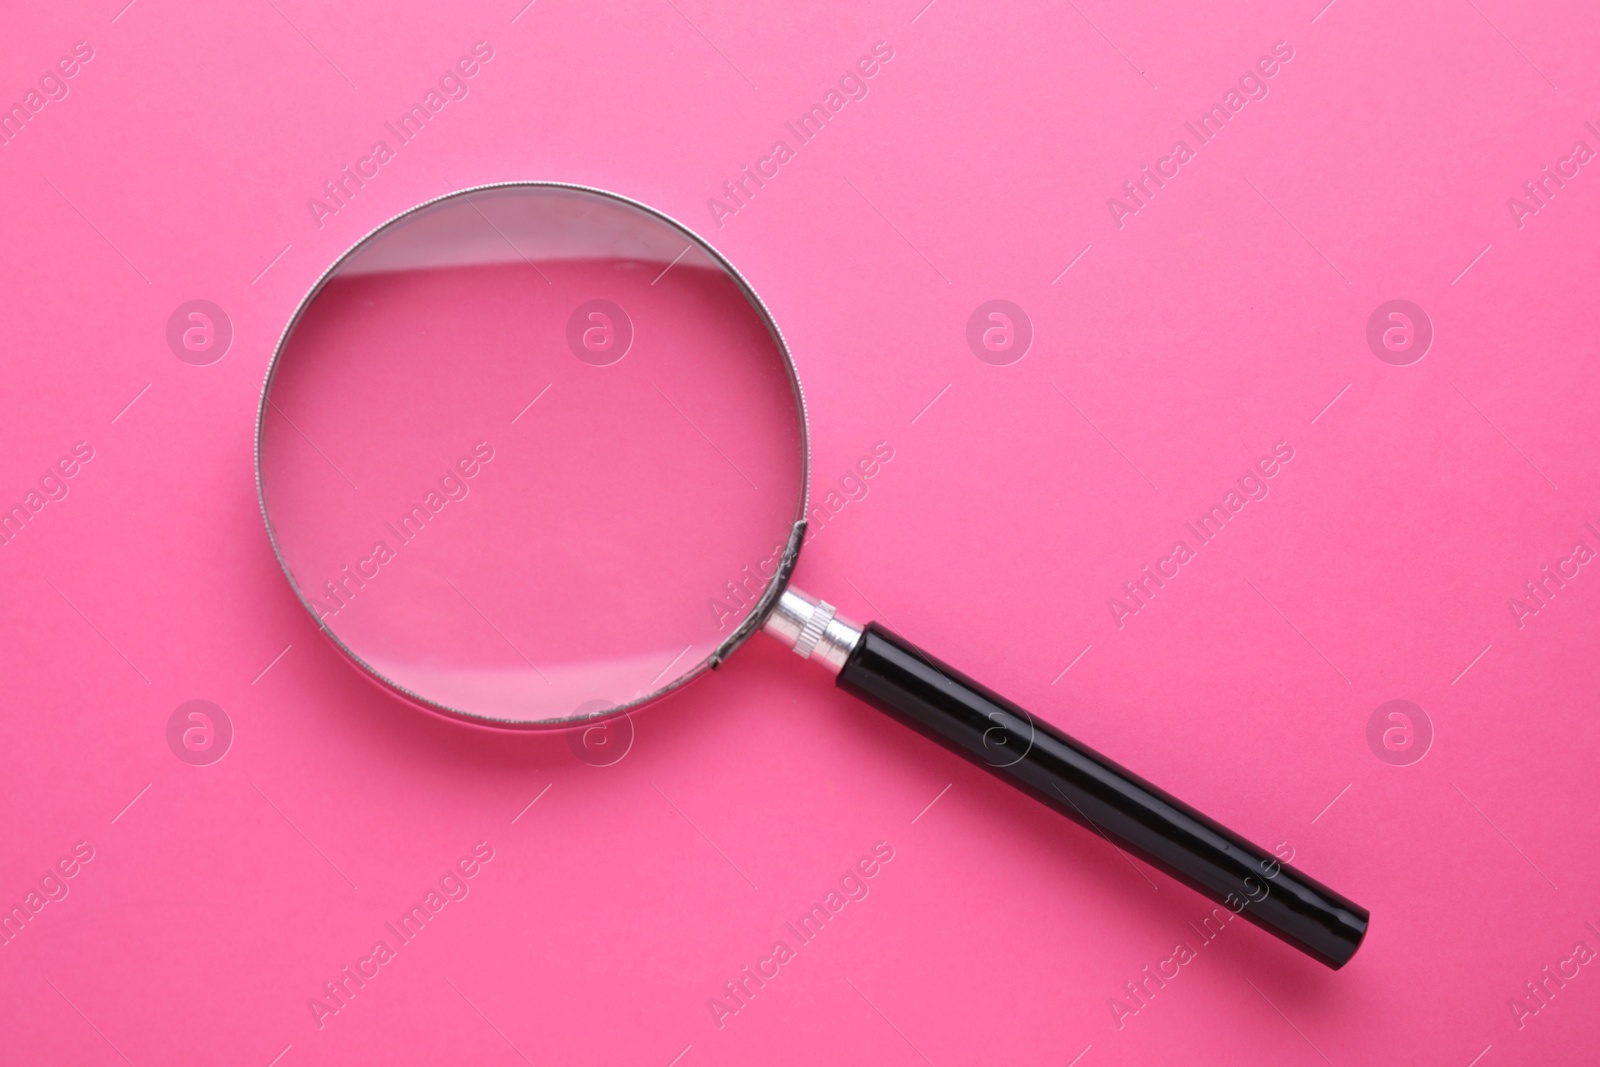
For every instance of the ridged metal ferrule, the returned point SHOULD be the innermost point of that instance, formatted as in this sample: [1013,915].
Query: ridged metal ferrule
[813,630]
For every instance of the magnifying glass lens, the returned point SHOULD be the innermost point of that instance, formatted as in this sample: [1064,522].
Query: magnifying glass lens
[531,454]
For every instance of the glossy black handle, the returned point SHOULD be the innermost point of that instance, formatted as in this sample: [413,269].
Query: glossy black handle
[894,675]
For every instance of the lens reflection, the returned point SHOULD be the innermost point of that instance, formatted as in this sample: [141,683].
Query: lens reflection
[531,453]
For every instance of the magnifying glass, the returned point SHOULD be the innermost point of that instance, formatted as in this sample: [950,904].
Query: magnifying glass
[534,455]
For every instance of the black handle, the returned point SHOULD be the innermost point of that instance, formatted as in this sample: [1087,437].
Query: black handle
[894,675]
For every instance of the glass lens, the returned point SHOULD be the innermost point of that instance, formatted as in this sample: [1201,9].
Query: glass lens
[531,454]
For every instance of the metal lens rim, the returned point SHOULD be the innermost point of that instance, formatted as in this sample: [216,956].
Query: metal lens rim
[775,585]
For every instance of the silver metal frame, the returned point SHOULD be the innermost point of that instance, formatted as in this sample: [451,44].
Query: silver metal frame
[775,586]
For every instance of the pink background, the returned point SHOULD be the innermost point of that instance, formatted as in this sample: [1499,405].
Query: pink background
[1225,316]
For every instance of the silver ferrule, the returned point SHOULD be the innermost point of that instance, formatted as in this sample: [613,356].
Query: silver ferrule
[813,630]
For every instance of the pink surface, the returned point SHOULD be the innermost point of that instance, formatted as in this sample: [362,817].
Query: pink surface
[189,907]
